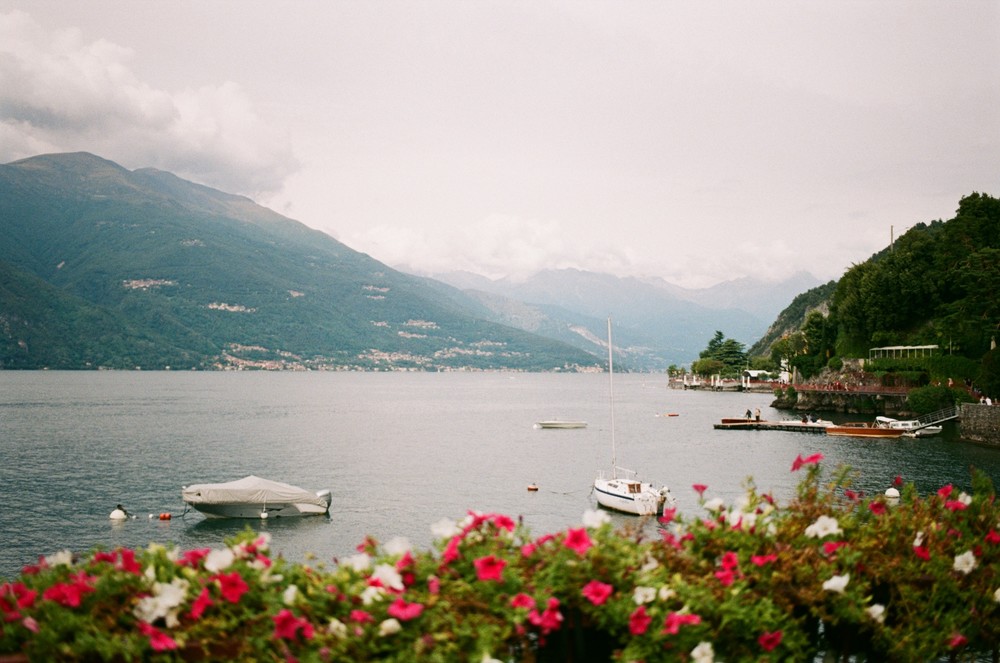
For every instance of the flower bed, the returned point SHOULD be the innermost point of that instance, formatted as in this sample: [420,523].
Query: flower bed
[831,572]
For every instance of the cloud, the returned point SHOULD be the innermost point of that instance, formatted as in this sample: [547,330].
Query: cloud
[62,93]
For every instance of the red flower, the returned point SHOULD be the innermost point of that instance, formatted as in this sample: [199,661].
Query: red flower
[922,552]
[730,560]
[800,461]
[851,495]
[898,481]
[726,577]
[668,516]
[23,597]
[128,562]
[192,557]
[955,505]
[70,594]
[201,604]
[158,640]
[993,537]
[700,488]
[549,620]
[287,626]
[958,640]
[768,641]
[490,568]
[761,560]
[831,547]
[361,617]
[404,611]
[674,621]
[522,600]
[578,541]
[450,553]
[405,561]
[878,508]
[504,522]
[639,621]
[434,585]
[945,492]
[597,592]
[232,586]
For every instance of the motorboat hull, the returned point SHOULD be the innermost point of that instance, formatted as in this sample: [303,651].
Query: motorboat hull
[561,424]
[626,496]
[862,430]
[254,497]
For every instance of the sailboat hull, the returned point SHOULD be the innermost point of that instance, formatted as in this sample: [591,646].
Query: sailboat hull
[634,497]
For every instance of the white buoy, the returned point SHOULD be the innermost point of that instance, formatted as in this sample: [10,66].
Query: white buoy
[892,493]
[118,514]
[263,514]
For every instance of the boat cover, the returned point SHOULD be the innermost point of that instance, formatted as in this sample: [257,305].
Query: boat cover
[250,490]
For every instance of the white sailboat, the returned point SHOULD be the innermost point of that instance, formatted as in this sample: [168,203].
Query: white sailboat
[627,493]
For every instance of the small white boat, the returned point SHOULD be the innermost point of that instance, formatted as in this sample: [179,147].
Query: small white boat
[559,423]
[254,497]
[910,427]
[626,495]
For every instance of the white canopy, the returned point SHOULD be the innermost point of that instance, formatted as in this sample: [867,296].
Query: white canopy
[250,490]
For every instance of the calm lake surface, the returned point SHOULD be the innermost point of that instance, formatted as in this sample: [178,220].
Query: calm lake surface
[399,451]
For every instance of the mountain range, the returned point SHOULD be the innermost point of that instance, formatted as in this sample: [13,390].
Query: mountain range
[104,267]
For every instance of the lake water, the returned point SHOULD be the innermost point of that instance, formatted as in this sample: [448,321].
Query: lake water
[399,451]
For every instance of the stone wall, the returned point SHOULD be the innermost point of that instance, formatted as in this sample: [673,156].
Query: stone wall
[980,423]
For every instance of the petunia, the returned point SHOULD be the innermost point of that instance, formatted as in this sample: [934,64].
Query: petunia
[361,617]
[769,641]
[504,522]
[522,600]
[700,488]
[957,640]
[639,621]
[965,562]
[799,461]
[644,595]
[450,553]
[703,653]
[597,592]
[824,526]
[837,583]
[490,568]
[219,560]
[548,620]
[877,612]
[830,547]
[232,586]
[389,577]
[922,552]
[404,611]
[945,492]
[726,577]
[389,627]
[878,508]
[730,560]
[434,585]
[992,537]
[158,640]
[674,621]
[762,560]
[668,516]
[578,541]
[287,626]
[201,604]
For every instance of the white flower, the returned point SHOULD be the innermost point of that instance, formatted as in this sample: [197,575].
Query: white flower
[489,659]
[650,564]
[877,612]
[360,562]
[837,583]
[918,540]
[644,595]
[372,594]
[666,593]
[219,560]
[824,526]
[965,498]
[965,562]
[288,596]
[337,628]
[163,603]
[703,653]
[715,504]
[445,529]
[399,545]
[389,577]
[996,595]
[594,518]
[389,626]
[61,558]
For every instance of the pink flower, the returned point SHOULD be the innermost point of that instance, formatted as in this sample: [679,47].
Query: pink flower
[993,537]
[549,620]
[361,617]
[922,552]
[522,600]
[958,640]
[597,592]
[768,641]
[434,585]
[70,594]
[762,560]
[405,561]
[578,541]
[700,488]
[450,553]
[287,626]
[201,604]
[639,621]
[726,577]
[192,557]
[23,597]
[831,547]
[898,481]
[668,516]
[404,611]
[730,560]
[878,508]
[800,461]
[945,492]
[675,620]
[851,495]
[955,505]
[128,562]
[504,522]
[490,568]
[232,586]
[158,640]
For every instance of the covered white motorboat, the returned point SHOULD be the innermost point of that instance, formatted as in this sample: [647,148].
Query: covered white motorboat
[254,497]
[910,427]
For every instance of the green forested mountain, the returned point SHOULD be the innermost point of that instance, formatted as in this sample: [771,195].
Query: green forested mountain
[105,267]
[936,285]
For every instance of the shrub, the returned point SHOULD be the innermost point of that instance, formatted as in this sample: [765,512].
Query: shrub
[828,574]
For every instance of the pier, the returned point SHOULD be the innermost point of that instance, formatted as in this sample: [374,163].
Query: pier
[790,425]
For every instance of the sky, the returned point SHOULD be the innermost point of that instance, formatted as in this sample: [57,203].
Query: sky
[697,142]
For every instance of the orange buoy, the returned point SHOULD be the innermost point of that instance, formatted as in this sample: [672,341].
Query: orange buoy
[532,487]
[164,516]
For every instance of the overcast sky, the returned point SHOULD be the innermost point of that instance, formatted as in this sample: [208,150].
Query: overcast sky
[694,141]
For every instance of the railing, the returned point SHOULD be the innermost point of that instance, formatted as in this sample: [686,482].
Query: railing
[863,389]
[942,415]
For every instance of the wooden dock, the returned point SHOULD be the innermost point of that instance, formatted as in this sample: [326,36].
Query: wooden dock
[750,424]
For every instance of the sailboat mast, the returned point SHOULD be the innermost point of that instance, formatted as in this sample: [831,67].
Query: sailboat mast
[611,391]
